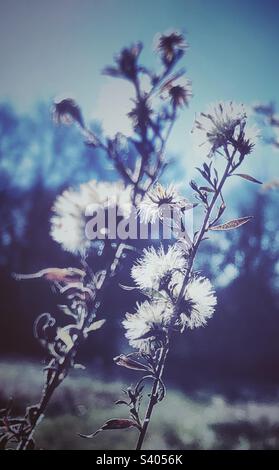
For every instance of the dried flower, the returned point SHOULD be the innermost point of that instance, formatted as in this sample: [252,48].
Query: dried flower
[170,45]
[223,124]
[146,328]
[66,111]
[198,302]
[126,63]
[159,201]
[178,89]
[157,269]
[69,219]
[247,139]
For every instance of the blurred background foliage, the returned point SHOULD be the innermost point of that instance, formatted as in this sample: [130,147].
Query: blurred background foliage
[82,403]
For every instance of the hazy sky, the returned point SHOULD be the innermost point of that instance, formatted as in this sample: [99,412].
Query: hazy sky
[59,46]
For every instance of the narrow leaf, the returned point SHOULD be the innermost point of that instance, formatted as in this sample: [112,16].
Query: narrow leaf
[118,423]
[121,402]
[207,189]
[154,294]
[96,325]
[127,287]
[221,210]
[232,224]
[248,177]
[125,361]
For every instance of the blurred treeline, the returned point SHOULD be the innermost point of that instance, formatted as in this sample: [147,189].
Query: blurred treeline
[239,350]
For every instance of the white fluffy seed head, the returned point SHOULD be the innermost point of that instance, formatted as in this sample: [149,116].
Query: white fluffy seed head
[198,302]
[69,220]
[146,328]
[156,266]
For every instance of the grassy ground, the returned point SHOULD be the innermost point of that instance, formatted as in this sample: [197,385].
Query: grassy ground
[83,403]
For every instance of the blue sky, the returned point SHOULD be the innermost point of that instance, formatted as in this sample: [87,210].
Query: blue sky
[56,46]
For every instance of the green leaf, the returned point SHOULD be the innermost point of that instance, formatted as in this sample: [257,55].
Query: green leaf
[232,224]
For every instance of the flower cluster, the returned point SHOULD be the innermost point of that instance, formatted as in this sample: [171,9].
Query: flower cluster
[162,273]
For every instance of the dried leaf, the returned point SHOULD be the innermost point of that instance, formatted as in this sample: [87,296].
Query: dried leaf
[66,111]
[119,423]
[221,210]
[96,325]
[129,288]
[231,224]
[248,177]
[125,361]
[121,402]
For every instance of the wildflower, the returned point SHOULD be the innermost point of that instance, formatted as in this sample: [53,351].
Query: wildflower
[126,63]
[67,111]
[247,139]
[170,45]
[198,302]
[69,220]
[223,124]
[156,269]
[178,89]
[159,201]
[146,328]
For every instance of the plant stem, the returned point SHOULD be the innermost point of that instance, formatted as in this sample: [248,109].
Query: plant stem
[203,229]
[153,397]
[55,381]
[46,397]
[164,352]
